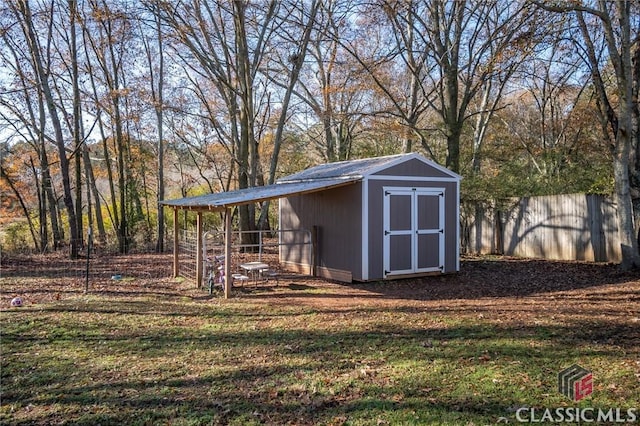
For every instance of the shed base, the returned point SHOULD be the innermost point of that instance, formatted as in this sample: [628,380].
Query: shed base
[408,276]
[334,274]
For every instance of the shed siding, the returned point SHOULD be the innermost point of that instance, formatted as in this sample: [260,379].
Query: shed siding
[414,168]
[337,215]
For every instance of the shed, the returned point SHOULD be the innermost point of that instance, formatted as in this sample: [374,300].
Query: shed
[377,218]
[399,218]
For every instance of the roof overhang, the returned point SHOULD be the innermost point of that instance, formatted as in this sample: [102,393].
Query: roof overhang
[223,200]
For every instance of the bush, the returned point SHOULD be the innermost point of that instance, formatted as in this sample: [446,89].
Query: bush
[15,237]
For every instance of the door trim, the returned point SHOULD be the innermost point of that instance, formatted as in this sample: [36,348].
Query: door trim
[414,192]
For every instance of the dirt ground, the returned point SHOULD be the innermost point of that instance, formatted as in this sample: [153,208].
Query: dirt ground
[41,279]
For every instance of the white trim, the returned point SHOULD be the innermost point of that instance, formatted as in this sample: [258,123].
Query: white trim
[414,193]
[413,178]
[441,193]
[365,229]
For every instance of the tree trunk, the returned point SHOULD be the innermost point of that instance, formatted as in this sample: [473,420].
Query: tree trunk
[42,211]
[113,209]
[77,118]
[159,101]
[454,130]
[635,145]
[247,147]
[621,123]
[52,204]
[91,184]
[43,80]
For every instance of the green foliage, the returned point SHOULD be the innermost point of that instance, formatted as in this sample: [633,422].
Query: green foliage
[516,178]
[16,237]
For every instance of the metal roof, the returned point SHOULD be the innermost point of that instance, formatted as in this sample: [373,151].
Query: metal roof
[350,168]
[222,200]
[314,179]
[360,168]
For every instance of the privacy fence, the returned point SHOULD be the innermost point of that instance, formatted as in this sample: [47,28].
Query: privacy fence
[561,227]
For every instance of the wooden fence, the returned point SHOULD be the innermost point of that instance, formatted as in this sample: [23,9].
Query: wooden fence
[561,227]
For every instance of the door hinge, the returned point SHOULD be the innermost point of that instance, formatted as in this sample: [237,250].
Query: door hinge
[441,231]
[386,232]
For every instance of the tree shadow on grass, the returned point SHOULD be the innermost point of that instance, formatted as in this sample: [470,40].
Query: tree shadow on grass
[349,369]
[477,279]
[504,278]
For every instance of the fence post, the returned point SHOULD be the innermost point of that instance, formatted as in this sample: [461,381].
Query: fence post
[499,231]
[176,245]
[199,257]
[228,280]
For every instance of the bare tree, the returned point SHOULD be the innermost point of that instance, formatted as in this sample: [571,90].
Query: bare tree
[330,86]
[613,22]
[106,32]
[25,114]
[156,82]
[224,47]
[451,51]
[39,55]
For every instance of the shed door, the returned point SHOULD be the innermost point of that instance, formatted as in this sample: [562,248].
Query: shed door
[413,230]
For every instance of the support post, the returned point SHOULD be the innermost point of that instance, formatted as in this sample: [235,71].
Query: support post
[176,245]
[314,250]
[228,280]
[199,257]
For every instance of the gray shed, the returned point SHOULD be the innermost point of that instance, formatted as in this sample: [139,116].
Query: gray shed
[398,217]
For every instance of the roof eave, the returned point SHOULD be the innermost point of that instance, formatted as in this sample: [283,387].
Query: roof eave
[220,206]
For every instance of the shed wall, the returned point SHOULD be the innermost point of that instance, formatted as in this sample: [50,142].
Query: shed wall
[337,215]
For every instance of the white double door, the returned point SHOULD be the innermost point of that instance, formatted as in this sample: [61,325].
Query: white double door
[413,221]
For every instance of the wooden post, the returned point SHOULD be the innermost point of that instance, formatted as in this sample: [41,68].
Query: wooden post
[228,281]
[314,250]
[499,232]
[199,257]
[176,244]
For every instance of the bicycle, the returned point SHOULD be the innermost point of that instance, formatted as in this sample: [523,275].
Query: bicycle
[215,272]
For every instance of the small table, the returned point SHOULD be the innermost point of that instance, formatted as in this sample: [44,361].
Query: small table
[253,268]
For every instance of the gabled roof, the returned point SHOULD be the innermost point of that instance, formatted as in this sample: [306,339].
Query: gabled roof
[350,168]
[359,168]
[318,178]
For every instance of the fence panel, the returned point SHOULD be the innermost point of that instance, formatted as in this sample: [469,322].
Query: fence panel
[560,227]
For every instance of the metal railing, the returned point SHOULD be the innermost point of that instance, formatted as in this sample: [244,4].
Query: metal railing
[283,243]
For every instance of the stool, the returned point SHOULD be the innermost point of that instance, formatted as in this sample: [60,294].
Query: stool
[240,277]
[268,274]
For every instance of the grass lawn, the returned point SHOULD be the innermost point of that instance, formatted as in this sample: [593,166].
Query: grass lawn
[464,349]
